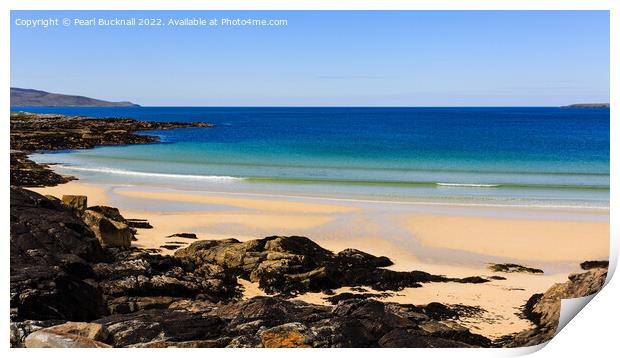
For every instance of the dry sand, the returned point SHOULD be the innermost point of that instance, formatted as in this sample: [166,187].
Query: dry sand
[543,240]
[516,240]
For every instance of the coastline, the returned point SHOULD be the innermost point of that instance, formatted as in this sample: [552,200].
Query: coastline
[455,243]
[437,242]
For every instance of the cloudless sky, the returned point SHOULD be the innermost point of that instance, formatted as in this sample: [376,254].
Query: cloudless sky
[323,58]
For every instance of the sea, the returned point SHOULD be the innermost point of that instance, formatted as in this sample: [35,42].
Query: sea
[513,156]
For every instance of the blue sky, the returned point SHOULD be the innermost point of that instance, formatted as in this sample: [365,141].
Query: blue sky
[322,58]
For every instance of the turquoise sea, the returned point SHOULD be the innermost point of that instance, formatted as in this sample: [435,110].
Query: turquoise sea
[542,156]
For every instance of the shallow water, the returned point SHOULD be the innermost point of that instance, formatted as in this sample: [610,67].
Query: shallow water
[507,156]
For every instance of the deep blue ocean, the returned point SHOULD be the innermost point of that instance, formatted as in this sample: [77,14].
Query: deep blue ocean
[543,156]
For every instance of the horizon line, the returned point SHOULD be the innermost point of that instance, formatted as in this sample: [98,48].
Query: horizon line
[322,106]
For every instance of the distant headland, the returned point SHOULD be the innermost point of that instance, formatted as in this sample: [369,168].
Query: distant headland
[587,105]
[21,97]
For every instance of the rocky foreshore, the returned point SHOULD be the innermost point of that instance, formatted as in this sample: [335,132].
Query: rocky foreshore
[38,132]
[70,287]
[76,280]
[63,271]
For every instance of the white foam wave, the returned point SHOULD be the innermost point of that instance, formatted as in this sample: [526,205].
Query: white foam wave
[469,185]
[212,178]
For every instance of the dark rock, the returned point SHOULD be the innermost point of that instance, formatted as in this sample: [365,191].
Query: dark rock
[139,223]
[170,246]
[351,323]
[136,280]
[50,253]
[30,131]
[289,335]
[60,272]
[25,172]
[35,132]
[400,338]
[51,339]
[109,231]
[294,264]
[160,325]
[514,268]
[204,343]
[77,202]
[185,235]
[360,296]
[588,265]
[21,329]
[109,212]
[544,310]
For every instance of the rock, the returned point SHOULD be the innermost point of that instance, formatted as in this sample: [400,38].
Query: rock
[588,265]
[137,280]
[50,252]
[205,343]
[289,335]
[83,329]
[185,235]
[400,338]
[514,268]
[348,295]
[129,304]
[21,329]
[294,264]
[351,323]
[109,232]
[109,212]
[34,132]
[544,309]
[170,246]
[77,202]
[25,172]
[30,131]
[139,223]
[50,339]
[160,325]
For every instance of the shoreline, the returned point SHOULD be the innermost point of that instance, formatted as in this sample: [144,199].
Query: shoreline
[339,190]
[558,225]
[248,218]
[455,243]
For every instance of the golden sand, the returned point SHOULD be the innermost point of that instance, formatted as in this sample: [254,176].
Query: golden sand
[511,239]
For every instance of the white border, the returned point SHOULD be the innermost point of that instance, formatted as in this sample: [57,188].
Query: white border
[593,332]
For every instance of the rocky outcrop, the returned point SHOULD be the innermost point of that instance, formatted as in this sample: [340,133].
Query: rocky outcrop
[77,202]
[544,309]
[51,250]
[69,335]
[588,265]
[291,265]
[184,235]
[137,280]
[35,132]
[155,325]
[510,268]
[109,232]
[60,271]
[275,322]
[46,338]
[135,298]
[25,172]
[139,224]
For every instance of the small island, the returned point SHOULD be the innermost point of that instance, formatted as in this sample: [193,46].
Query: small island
[587,105]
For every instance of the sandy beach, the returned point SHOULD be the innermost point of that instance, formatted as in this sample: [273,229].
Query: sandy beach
[453,241]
